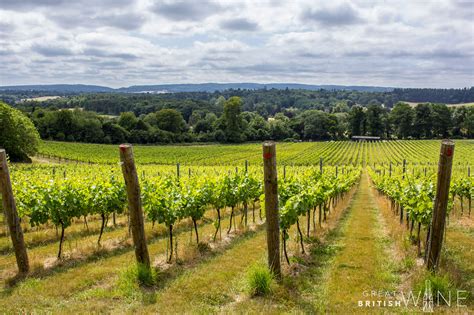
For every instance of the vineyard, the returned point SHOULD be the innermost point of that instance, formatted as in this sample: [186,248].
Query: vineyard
[305,153]
[353,217]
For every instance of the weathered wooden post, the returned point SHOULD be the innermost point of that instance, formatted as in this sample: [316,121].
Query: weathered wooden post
[321,165]
[177,171]
[134,204]
[441,203]
[11,213]
[271,207]
[246,166]
[404,168]
[284,171]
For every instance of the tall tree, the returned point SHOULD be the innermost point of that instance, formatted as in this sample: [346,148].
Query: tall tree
[423,125]
[459,121]
[441,120]
[357,120]
[469,122]
[319,125]
[232,120]
[375,125]
[402,117]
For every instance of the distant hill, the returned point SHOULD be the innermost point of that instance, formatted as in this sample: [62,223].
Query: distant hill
[60,88]
[175,88]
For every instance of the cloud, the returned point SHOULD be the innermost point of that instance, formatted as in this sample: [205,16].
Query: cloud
[239,24]
[125,21]
[107,53]
[6,28]
[186,10]
[126,42]
[23,4]
[51,51]
[342,14]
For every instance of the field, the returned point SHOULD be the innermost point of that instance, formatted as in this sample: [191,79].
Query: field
[413,104]
[41,98]
[342,237]
[305,153]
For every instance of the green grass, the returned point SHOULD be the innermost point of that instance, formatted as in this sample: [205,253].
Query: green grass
[259,280]
[440,284]
[364,262]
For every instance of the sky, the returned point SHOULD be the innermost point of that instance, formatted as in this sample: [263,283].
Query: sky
[402,43]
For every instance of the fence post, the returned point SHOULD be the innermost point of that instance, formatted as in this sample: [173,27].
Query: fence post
[321,165]
[271,207]
[177,171]
[404,168]
[11,213]
[134,204]
[441,202]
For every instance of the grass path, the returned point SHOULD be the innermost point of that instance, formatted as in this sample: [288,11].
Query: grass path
[363,263]
[85,245]
[63,284]
[458,256]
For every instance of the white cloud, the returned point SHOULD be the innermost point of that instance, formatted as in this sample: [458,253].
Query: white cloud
[122,42]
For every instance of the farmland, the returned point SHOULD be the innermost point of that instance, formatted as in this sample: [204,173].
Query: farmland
[304,153]
[340,205]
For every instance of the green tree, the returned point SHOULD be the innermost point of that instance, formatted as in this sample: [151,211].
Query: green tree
[341,107]
[442,120]
[375,125]
[469,122]
[170,120]
[422,128]
[116,133]
[357,121]
[128,120]
[319,125]
[232,119]
[18,135]
[402,117]
[459,121]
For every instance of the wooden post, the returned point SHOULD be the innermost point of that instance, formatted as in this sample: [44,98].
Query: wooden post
[9,206]
[134,204]
[321,165]
[177,171]
[246,166]
[336,171]
[441,202]
[284,171]
[271,207]
[404,168]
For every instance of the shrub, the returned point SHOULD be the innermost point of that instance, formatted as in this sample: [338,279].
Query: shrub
[259,280]
[18,135]
[132,278]
[438,283]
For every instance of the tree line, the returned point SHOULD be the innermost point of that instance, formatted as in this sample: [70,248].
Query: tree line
[230,122]
[265,102]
